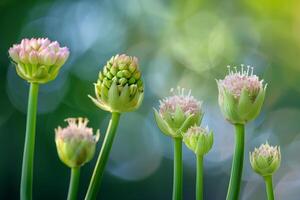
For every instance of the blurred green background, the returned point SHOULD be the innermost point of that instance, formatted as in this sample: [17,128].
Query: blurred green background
[179,43]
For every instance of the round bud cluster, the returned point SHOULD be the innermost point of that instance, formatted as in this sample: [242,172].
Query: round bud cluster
[38,60]
[266,159]
[76,143]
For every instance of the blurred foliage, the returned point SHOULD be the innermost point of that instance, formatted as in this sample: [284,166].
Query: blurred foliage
[186,43]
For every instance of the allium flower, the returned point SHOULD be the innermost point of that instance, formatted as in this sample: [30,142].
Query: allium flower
[38,60]
[178,112]
[266,159]
[198,139]
[241,95]
[119,87]
[76,143]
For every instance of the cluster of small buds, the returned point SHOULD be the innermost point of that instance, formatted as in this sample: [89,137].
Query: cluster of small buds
[241,95]
[119,87]
[266,159]
[198,139]
[123,70]
[38,60]
[186,102]
[237,80]
[178,112]
[76,143]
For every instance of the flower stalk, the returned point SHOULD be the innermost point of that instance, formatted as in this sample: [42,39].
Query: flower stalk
[74,183]
[28,154]
[269,187]
[103,157]
[237,164]
[177,175]
[199,178]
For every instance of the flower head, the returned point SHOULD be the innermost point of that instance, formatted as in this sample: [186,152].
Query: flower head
[38,60]
[76,143]
[266,159]
[119,87]
[241,95]
[198,139]
[178,112]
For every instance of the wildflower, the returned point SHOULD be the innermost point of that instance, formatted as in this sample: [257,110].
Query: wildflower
[38,60]
[76,143]
[178,112]
[241,95]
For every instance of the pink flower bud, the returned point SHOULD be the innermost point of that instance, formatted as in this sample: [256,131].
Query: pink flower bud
[33,58]
[49,58]
[54,46]
[62,56]
[23,57]
[14,53]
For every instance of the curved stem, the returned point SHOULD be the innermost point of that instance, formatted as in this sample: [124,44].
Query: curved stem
[177,176]
[199,178]
[269,187]
[74,183]
[103,157]
[237,164]
[28,154]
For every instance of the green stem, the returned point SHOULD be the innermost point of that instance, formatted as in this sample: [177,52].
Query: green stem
[269,187]
[199,179]
[177,176]
[74,183]
[28,154]
[237,164]
[103,157]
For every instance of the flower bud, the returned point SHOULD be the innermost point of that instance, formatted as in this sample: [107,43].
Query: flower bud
[38,60]
[199,140]
[241,95]
[115,89]
[76,143]
[266,159]
[177,113]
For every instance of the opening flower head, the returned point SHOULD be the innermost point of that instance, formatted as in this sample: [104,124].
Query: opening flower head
[119,87]
[198,139]
[76,143]
[241,95]
[38,60]
[266,159]
[178,112]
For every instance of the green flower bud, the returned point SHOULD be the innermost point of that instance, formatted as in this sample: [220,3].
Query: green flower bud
[76,143]
[38,60]
[199,140]
[117,90]
[177,113]
[265,160]
[241,96]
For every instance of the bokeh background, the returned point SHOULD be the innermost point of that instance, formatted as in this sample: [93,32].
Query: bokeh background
[179,43]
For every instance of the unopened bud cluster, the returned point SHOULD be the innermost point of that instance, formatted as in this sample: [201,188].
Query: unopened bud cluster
[119,87]
[38,60]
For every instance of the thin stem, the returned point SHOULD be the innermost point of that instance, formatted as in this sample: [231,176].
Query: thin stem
[74,183]
[269,187]
[237,164]
[103,157]
[177,176]
[199,179]
[28,154]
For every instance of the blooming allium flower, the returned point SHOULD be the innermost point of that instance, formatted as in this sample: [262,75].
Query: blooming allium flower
[119,87]
[178,112]
[76,143]
[198,139]
[266,159]
[241,95]
[38,60]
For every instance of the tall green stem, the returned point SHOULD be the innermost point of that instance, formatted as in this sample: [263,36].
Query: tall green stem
[199,179]
[177,176]
[269,187]
[28,154]
[74,183]
[237,164]
[103,157]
